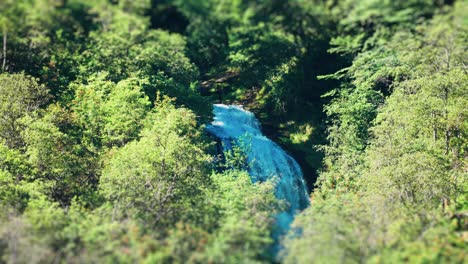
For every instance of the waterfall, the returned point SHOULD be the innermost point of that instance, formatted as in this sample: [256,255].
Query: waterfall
[266,160]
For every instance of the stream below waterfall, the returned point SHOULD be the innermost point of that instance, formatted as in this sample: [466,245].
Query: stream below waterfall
[266,160]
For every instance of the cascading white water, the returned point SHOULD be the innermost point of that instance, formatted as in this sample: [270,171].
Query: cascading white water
[266,159]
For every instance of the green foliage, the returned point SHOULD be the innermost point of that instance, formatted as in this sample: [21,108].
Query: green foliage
[241,232]
[161,175]
[125,47]
[58,157]
[110,114]
[248,44]
[103,158]
[43,38]
[329,231]
[245,226]
[18,243]
[394,200]
[9,193]
[363,25]
[20,95]
[207,42]
[235,157]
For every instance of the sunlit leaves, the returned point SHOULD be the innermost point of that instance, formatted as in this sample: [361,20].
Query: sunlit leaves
[20,95]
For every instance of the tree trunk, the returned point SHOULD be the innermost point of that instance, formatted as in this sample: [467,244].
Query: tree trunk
[4,48]
[447,132]
[434,128]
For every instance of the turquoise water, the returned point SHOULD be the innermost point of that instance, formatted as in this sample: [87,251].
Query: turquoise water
[266,160]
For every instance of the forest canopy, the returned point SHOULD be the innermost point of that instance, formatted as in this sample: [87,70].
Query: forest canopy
[104,155]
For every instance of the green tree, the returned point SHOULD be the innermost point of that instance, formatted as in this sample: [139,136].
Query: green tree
[161,176]
[57,155]
[246,221]
[20,95]
[111,114]
[408,180]
[124,46]
[238,228]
